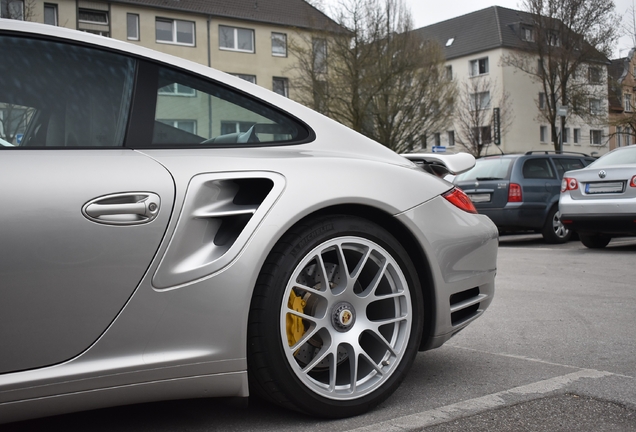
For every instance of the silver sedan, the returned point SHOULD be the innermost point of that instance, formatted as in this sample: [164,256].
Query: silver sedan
[599,201]
[170,231]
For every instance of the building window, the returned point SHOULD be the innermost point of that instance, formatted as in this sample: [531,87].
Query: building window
[543,134]
[594,74]
[280,86]
[236,39]
[319,47]
[90,16]
[479,67]
[189,126]
[595,137]
[449,72]
[132,26]
[528,34]
[248,78]
[50,14]
[619,131]
[576,137]
[480,101]
[553,39]
[451,138]
[12,9]
[542,101]
[174,31]
[627,100]
[566,135]
[279,44]
[438,138]
[176,89]
[595,106]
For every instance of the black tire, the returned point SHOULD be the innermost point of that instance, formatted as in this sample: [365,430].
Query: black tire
[341,322]
[594,241]
[554,232]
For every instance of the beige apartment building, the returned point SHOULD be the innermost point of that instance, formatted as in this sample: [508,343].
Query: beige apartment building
[247,38]
[474,46]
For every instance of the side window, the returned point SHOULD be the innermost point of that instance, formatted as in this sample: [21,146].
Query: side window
[68,97]
[538,168]
[191,111]
[564,165]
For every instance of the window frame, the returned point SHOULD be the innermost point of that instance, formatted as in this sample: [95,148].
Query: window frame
[477,62]
[54,7]
[576,136]
[596,133]
[543,134]
[96,12]
[627,102]
[173,24]
[285,82]
[284,38]
[235,39]
[136,23]
[10,13]
[478,97]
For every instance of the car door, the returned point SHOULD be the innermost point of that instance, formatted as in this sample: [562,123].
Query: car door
[81,216]
[539,178]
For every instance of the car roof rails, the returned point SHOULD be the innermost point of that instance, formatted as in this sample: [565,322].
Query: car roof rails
[555,152]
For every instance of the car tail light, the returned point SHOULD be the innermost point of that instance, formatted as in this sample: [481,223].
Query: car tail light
[632,183]
[514,193]
[569,183]
[459,199]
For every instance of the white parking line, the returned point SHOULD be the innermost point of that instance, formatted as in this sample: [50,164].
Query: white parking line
[478,405]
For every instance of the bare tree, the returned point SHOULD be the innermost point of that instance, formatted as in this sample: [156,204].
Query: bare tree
[376,77]
[565,48]
[474,111]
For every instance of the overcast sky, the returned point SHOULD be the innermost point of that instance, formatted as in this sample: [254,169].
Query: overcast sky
[426,12]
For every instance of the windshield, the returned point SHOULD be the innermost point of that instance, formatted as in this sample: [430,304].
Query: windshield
[487,169]
[621,156]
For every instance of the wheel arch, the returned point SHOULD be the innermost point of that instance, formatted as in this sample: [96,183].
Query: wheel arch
[406,238]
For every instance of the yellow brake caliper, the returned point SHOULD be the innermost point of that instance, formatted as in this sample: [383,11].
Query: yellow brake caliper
[295,326]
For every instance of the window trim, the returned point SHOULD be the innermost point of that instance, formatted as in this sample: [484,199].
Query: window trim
[285,82]
[284,35]
[142,116]
[174,41]
[593,133]
[235,49]
[55,13]
[543,134]
[105,12]
[477,62]
[136,17]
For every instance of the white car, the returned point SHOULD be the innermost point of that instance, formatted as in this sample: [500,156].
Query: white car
[599,201]
[170,231]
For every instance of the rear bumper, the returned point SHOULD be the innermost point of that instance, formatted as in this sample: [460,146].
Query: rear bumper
[614,224]
[516,216]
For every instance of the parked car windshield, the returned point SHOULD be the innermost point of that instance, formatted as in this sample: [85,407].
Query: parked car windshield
[623,156]
[487,169]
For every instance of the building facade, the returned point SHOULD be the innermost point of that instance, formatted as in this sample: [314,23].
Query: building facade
[246,38]
[622,114]
[478,47]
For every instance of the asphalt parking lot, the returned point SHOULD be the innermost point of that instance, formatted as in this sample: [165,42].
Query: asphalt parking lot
[556,351]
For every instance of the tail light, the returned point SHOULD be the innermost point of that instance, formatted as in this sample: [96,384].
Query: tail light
[632,182]
[459,199]
[514,193]
[569,183]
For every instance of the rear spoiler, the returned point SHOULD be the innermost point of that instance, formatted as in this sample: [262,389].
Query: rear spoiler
[442,165]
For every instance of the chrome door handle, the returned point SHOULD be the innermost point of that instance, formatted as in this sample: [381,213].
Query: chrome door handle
[130,208]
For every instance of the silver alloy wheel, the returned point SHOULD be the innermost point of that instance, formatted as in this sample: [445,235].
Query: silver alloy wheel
[343,339]
[557,226]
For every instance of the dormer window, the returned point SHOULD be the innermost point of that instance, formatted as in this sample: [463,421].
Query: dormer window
[527,34]
[450,41]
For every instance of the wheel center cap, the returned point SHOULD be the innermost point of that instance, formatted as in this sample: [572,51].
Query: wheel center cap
[343,316]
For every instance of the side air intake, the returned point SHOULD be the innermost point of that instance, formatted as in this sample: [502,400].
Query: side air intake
[220,213]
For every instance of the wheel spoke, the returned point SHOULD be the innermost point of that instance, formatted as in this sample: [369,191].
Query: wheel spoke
[372,362]
[353,368]
[363,261]
[369,292]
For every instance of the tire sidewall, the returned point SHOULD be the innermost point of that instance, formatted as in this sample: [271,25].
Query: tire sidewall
[307,239]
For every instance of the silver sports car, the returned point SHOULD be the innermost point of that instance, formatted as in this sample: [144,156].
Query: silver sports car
[599,201]
[169,231]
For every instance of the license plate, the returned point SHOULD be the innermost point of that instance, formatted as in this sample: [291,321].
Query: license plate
[479,198]
[604,187]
